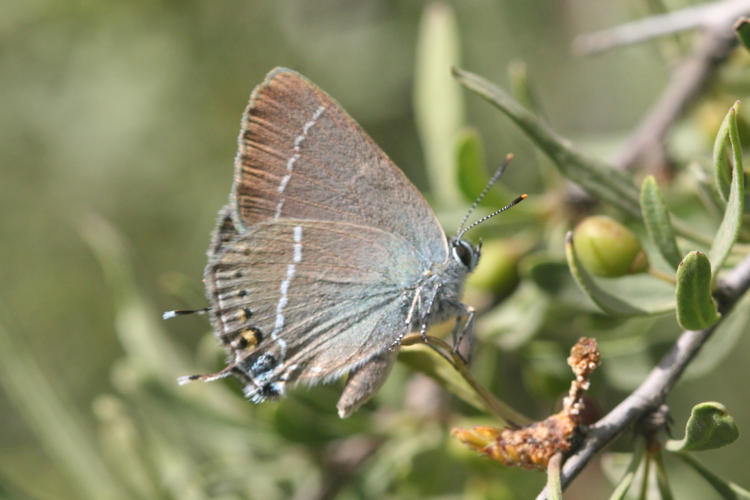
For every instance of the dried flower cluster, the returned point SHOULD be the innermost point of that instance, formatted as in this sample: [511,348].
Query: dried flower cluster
[532,446]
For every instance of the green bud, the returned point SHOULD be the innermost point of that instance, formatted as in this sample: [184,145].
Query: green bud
[497,271]
[607,248]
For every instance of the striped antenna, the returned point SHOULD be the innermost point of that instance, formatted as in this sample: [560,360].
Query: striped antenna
[500,210]
[486,190]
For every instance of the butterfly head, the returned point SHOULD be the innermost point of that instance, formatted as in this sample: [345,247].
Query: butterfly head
[465,254]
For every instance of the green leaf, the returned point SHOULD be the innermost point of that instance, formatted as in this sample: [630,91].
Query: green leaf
[641,298]
[65,434]
[727,489]
[696,309]
[517,319]
[438,105]
[552,276]
[522,90]
[722,169]
[730,331]
[706,190]
[658,223]
[597,177]
[709,427]
[622,487]
[472,174]
[730,224]
[307,419]
[742,29]
[520,86]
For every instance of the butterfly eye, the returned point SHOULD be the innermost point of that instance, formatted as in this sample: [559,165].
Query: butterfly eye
[464,254]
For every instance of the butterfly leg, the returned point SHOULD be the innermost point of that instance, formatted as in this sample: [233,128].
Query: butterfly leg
[467,318]
[428,311]
[430,302]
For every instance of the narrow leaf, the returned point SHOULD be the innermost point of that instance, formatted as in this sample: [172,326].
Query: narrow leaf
[523,91]
[709,427]
[722,169]
[597,177]
[555,280]
[439,110]
[517,319]
[742,29]
[730,331]
[706,190]
[695,305]
[726,489]
[622,487]
[521,87]
[65,435]
[662,481]
[607,302]
[730,224]
[472,173]
[658,223]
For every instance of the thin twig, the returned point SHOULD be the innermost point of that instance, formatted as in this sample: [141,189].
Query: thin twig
[660,381]
[685,84]
[718,16]
[687,80]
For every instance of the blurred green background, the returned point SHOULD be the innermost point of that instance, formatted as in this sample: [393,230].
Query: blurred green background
[119,125]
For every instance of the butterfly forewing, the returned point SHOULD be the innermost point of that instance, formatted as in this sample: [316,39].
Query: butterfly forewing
[302,156]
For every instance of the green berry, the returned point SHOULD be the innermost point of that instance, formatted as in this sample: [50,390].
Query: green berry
[607,248]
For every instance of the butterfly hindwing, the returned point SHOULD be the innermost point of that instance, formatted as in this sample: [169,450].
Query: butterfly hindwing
[307,301]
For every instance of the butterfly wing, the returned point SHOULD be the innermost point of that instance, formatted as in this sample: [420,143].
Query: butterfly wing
[302,156]
[298,300]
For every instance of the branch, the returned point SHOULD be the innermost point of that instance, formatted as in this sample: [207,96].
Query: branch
[652,392]
[717,16]
[685,84]
[688,79]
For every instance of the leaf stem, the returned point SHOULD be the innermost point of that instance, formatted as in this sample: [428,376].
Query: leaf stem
[662,480]
[644,479]
[498,407]
[553,476]
[656,273]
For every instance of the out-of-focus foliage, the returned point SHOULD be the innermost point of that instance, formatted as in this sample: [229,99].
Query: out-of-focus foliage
[119,128]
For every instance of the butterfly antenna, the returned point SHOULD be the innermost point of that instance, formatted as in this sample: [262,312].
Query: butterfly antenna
[500,210]
[181,312]
[484,192]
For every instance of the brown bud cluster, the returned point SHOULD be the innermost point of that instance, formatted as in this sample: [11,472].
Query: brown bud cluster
[584,357]
[532,446]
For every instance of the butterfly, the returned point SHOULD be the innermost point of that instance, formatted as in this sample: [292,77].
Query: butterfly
[326,255]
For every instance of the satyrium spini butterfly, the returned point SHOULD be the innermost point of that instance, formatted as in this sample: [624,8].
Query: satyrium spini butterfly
[326,255]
